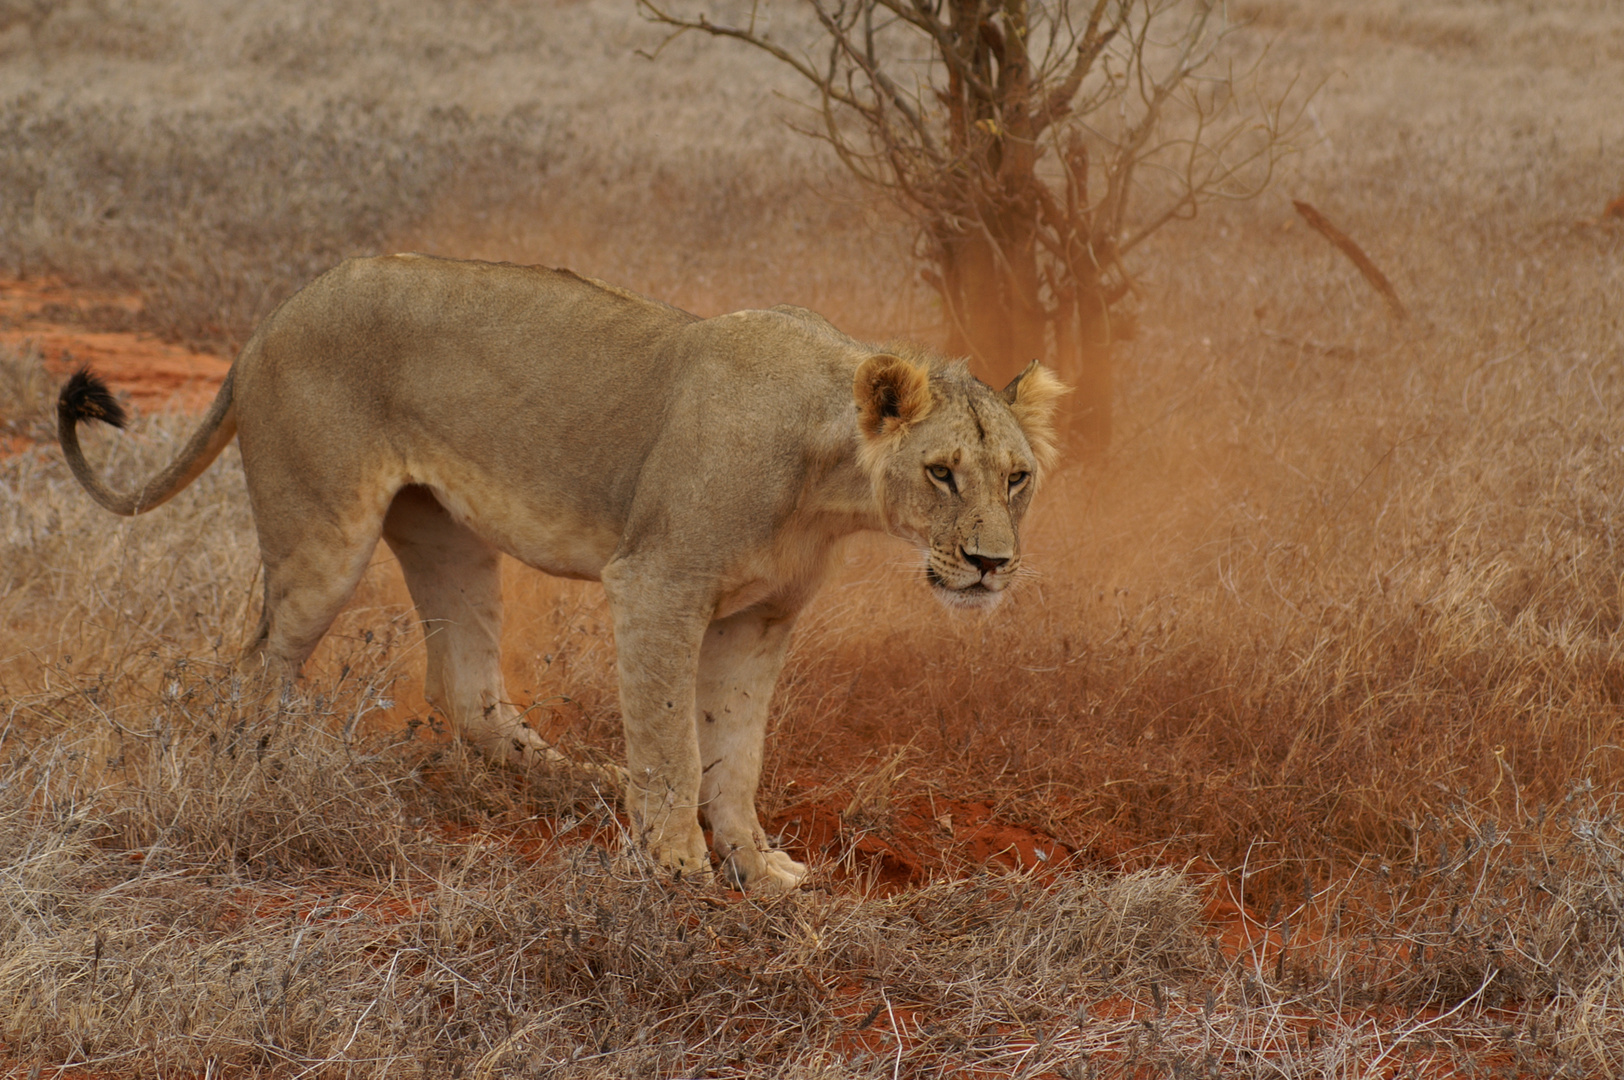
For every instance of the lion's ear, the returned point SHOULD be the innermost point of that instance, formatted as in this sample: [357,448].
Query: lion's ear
[892,394]
[1033,396]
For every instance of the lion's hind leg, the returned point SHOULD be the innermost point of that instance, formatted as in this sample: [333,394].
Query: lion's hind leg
[311,570]
[456,582]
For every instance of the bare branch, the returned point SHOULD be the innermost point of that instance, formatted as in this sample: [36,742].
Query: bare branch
[1058,102]
[660,15]
[1355,254]
[919,15]
[876,77]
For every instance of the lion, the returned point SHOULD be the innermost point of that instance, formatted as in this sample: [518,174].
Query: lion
[704,470]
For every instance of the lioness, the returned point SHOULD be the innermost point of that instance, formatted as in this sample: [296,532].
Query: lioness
[702,469]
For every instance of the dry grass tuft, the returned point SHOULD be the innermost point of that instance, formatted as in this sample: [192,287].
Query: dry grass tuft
[27,396]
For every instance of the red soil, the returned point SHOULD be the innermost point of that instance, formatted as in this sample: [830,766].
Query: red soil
[72,327]
[925,837]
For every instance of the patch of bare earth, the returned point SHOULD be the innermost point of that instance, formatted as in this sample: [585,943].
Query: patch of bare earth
[71,327]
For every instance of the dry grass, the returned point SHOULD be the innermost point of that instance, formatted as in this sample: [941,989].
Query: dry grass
[27,397]
[214,165]
[1334,630]
[215,890]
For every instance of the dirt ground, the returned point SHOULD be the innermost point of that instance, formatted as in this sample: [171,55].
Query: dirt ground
[1297,757]
[72,327]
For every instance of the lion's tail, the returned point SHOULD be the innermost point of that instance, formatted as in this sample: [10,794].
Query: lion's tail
[86,397]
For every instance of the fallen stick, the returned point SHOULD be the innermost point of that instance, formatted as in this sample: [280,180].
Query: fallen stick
[1377,279]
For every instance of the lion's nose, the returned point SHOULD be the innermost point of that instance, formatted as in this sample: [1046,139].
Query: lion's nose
[987,564]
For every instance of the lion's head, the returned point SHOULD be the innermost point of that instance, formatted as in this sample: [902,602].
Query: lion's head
[954,464]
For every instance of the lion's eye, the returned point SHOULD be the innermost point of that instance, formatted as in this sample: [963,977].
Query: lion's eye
[942,475]
[1017,480]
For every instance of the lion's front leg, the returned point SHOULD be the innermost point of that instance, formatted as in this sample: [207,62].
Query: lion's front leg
[738,668]
[658,629]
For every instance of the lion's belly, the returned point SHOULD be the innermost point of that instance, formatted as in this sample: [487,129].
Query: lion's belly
[550,536]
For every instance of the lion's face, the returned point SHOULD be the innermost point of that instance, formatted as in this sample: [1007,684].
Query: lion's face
[954,465]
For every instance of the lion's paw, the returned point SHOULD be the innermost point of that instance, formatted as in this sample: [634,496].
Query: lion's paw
[521,746]
[685,862]
[767,872]
[785,871]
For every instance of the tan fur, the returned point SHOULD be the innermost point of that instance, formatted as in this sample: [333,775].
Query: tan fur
[1032,397]
[703,470]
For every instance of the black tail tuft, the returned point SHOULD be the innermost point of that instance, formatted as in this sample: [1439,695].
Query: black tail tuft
[86,397]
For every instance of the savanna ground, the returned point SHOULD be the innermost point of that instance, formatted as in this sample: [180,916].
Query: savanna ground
[1301,755]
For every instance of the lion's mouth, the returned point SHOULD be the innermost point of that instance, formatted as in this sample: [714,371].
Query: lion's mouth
[974,595]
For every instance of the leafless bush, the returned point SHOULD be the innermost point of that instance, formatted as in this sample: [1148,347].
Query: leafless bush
[1035,146]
